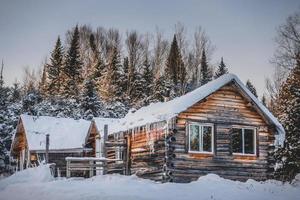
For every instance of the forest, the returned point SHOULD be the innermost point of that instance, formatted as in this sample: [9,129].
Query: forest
[104,73]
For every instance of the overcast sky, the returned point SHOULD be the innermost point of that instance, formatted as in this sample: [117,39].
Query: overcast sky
[243,31]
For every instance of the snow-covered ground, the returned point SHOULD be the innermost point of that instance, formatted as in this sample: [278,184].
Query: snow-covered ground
[37,183]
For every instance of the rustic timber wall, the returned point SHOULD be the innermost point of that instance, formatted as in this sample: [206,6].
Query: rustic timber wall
[224,108]
[114,142]
[147,153]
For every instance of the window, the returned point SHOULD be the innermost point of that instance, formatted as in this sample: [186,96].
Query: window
[200,138]
[243,141]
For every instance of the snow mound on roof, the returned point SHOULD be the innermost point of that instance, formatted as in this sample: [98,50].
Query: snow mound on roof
[162,111]
[65,133]
[113,124]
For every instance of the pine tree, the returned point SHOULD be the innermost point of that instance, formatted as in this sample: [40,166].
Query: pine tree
[162,90]
[251,87]
[43,83]
[175,69]
[9,114]
[112,88]
[1,75]
[288,156]
[73,68]
[126,76]
[54,70]
[148,79]
[98,68]
[206,74]
[90,102]
[264,100]
[222,69]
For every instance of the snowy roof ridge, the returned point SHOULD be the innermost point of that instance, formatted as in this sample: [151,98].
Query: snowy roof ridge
[64,133]
[111,122]
[161,111]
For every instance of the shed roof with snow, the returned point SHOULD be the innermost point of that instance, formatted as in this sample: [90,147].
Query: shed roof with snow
[113,124]
[64,133]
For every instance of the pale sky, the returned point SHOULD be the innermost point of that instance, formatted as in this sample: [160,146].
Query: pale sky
[243,31]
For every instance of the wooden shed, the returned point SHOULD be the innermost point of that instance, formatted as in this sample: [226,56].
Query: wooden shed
[66,138]
[219,128]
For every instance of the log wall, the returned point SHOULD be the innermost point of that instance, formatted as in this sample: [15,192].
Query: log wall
[147,153]
[225,108]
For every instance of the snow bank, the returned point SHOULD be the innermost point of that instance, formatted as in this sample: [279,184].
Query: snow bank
[60,130]
[38,174]
[28,185]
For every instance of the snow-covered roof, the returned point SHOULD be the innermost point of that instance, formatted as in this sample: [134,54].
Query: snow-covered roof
[64,133]
[113,124]
[161,111]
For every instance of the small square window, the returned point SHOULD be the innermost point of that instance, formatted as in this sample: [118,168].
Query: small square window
[243,141]
[200,138]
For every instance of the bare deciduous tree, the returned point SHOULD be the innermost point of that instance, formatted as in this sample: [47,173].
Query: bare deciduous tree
[288,42]
[201,41]
[160,53]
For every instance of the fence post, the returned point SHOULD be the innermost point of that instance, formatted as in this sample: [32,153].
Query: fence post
[98,153]
[91,168]
[68,169]
[104,155]
[128,154]
[47,148]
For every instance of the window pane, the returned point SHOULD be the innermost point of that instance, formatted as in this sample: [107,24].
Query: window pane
[237,141]
[194,138]
[207,138]
[249,141]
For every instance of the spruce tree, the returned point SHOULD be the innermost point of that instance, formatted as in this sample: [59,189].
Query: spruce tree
[222,69]
[251,87]
[43,83]
[90,102]
[73,68]
[288,156]
[54,70]
[163,90]
[264,100]
[148,79]
[1,75]
[112,85]
[206,74]
[98,68]
[175,69]
[125,72]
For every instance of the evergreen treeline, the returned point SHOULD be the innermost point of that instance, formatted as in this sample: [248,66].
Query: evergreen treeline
[96,73]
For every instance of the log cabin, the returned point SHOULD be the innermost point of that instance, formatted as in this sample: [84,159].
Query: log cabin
[219,128]
[66,138]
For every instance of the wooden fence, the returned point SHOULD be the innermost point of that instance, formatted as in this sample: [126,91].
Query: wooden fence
[91,164]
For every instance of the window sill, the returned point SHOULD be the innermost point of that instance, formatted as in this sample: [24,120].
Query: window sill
[245,156]
[201,152]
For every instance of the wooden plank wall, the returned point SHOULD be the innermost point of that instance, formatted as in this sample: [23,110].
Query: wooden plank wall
[148,153]
[224,108]
[117,141]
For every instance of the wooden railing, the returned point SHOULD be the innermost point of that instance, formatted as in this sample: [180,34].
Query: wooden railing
[91,164]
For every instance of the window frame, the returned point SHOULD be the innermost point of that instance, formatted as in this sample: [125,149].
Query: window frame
[201,125]
[243,140]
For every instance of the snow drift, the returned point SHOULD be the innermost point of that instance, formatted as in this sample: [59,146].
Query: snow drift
[37,183]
